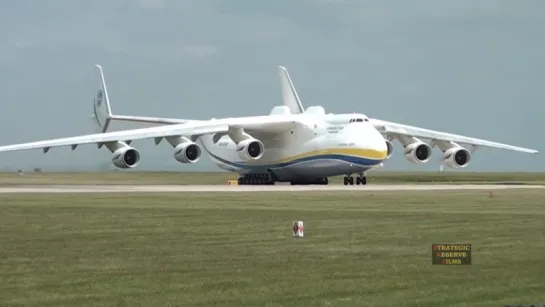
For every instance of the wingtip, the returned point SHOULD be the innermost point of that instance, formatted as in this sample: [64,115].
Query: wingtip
[281,67]
[98,66]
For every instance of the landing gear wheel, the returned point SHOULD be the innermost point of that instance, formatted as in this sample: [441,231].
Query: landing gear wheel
[256,179]
[363,180]
[348,180]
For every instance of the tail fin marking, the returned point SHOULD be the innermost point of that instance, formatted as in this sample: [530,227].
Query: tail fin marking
[101,103]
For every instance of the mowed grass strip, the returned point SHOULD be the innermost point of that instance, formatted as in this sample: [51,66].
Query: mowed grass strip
[190,178]
[213,249]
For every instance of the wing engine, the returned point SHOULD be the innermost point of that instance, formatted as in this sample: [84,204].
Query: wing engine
[457,157]
[126,157]
[250,149]
[390,147]
[418,152]
[187,152]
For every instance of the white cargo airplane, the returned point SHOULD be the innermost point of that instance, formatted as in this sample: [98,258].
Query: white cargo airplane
[291,144]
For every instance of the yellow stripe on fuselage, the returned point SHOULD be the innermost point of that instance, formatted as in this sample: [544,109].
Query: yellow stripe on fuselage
[356,152]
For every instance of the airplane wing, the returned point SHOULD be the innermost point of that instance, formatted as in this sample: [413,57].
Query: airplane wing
[437,137]
[257,125]
[269,124]
[126,135]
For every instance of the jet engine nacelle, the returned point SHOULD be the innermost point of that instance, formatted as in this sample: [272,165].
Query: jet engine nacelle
[418,152]
[187,152]
[456,157]
[390,147]
[250,149]
[126,157]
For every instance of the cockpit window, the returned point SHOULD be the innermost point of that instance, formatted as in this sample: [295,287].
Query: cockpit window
[359,120]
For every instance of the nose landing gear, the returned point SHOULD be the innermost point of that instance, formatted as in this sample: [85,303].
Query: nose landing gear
[361,180]
[349,180]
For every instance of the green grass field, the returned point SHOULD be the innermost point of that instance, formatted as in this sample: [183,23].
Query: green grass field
[186,178]
[236,249]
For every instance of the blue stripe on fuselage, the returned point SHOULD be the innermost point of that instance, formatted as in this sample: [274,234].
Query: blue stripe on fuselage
[359,161]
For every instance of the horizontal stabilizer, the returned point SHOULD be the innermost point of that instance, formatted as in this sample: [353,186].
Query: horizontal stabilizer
[102,111]
[149,120]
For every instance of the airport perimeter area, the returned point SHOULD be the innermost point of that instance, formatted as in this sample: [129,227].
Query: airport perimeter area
[361,248]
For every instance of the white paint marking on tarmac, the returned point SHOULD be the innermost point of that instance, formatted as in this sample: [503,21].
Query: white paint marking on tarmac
[264,188]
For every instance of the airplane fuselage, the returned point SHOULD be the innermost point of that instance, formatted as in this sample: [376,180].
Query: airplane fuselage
[320,145]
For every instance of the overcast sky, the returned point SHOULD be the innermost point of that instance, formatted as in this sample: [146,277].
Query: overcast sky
[470,67]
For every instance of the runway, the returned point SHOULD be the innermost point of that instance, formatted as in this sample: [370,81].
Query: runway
[266,188]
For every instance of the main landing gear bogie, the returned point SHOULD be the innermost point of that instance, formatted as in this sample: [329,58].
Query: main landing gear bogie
[319,181]
[349,180]
[256,179]
[266,179]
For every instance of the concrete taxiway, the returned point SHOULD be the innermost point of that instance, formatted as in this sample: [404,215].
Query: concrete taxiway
[266,188]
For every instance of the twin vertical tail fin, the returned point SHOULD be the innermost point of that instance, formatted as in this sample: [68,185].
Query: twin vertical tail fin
[289,94]
[101,104]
